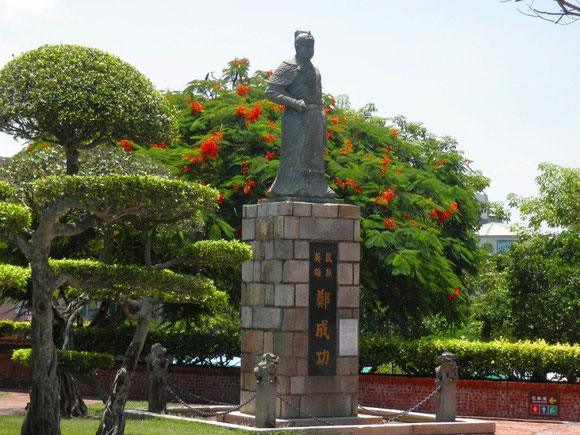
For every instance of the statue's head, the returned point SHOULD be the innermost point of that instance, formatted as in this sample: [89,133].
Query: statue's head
[304,44]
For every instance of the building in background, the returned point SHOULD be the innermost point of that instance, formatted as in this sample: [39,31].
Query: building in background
[496,237]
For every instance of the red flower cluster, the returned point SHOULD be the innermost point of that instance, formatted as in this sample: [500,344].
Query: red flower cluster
[241,62]
[385,163]
[254,114]
[126,145]
[269,74]
[217,86]
[440,162]
[239,233]
[327,111]
[270,138]
[270,155]
[347,147]
[348,182]
[243,90]
[159,145]
[385,198]
[281,108]
[394,132]
[221,199]
[335,119]
[332,101]
[248,186]
[453,295]
[442,216]
[271,123]
[245,167]
[209,147]
[240,111]
[196,107]
[389,223]
[251,116]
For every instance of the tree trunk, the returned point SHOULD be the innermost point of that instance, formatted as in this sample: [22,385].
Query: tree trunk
[113,421]
[43,413]
[71,402]
[72,161]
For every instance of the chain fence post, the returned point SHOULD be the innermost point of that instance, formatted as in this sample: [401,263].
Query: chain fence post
[446,379]
[266,386]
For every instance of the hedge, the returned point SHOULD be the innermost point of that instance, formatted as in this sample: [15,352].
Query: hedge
[522,360]
[519,361]
[70,360]
[197,347]
[8,327]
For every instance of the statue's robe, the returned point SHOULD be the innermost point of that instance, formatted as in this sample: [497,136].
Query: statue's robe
[301,170]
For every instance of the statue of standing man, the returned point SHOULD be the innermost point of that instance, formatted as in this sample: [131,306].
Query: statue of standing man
[296,85]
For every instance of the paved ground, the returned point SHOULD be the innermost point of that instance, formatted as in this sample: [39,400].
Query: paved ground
[17,400]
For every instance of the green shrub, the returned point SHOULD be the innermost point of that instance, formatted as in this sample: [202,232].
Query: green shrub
[203,346]
[8,327]
[522,360]
[70,360]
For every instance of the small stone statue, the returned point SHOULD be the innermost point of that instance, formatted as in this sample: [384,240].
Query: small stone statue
[446,376]
[296,85]
[157,364]
[266,385]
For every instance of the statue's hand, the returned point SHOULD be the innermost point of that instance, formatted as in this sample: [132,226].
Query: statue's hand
[301,106]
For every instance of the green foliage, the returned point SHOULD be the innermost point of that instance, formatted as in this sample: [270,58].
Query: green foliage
[558,203]
[42,160]
[219,253]
[418,245]
[543,280]
[13,278]
[118,280]
[70,360]
[522,360]
[146,196]
[216,342]
[6,191]
[9,327]
[14,217]
[76,96]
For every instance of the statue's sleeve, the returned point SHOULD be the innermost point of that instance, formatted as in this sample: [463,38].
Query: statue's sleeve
[277,91]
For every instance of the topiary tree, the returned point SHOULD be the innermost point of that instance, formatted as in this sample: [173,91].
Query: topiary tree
[59,207]
[78,98]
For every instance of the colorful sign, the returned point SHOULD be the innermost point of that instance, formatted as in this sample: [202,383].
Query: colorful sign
[322,309]
[543,404]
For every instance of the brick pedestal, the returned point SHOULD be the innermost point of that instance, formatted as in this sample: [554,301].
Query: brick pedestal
[275,302]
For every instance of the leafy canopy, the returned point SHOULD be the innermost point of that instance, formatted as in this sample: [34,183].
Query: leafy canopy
[416,191]
[78,96]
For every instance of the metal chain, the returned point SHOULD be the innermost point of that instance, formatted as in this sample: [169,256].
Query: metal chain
[209,414]
[403,413]
[213,402]
[321,420]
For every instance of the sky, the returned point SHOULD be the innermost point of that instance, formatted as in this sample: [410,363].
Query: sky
[503,84]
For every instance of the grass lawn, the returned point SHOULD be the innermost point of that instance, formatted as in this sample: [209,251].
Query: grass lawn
[10,425]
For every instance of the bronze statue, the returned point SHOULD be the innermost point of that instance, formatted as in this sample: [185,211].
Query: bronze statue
[296,85]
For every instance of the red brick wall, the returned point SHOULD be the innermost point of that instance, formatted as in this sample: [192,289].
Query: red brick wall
[475,398]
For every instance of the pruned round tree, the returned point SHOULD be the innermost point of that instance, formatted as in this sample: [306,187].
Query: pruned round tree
[79,97]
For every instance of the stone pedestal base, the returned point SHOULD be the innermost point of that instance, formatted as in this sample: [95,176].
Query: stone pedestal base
[275,303]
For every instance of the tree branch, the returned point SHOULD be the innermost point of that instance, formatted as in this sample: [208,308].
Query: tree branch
[62,230]
[20,242]
[94,143]
[174,261]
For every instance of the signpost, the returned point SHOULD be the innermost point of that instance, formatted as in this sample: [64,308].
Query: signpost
[543,404]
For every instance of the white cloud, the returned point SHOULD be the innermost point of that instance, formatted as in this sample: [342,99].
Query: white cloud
[17,11]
